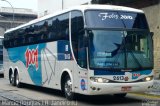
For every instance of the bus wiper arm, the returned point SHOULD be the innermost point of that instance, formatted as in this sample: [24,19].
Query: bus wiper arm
[136,60]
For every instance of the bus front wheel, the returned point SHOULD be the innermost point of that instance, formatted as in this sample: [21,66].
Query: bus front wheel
[67,88]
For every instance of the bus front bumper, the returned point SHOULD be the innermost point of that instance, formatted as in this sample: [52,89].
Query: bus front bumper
[115,88]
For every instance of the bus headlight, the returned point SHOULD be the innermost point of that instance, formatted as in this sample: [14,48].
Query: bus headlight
[99,79]
[148,78]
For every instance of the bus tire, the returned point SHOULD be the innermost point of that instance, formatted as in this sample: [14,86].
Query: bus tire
[10,77]
[67,88]
[121,95]
[13,80]
[18,84]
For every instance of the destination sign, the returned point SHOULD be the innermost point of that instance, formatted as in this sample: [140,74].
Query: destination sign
[107,15]
[115,19]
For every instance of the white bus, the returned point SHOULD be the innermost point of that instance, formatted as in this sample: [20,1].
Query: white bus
[89,49]
[1,55]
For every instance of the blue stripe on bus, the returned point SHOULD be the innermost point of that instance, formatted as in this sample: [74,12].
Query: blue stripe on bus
[106,72]
[64,51]
[33,66]
[134,73]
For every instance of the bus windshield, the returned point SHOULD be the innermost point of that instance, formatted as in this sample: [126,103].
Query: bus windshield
[120,49]
[118,40]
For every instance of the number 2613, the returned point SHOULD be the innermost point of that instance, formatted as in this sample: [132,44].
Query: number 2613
[118,77]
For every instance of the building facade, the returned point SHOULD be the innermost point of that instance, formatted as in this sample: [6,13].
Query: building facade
[8,19]
[50,6]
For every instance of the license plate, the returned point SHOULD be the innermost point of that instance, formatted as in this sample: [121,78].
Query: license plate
[126,88]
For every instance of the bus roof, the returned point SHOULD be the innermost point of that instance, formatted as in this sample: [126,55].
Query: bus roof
[81,8]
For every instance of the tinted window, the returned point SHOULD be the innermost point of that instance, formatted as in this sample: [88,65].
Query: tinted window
[115,19]
[1,51]
[78,38]
[120,49]
[62,27]
[53,29]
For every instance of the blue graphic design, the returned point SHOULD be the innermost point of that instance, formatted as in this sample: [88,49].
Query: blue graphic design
[83,84]
[137,74]
[64,51]
[19,54]
[106,72]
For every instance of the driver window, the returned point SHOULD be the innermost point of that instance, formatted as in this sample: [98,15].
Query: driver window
[78,39]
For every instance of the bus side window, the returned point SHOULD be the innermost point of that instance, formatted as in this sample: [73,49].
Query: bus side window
[51,33]
[44,31]
[6,42]
[62,26]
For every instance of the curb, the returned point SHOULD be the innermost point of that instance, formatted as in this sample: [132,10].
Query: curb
[146,95]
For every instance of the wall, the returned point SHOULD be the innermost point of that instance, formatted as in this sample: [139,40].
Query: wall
[1,31]
[21,16]
[68,3]
[50,6]
[153,17]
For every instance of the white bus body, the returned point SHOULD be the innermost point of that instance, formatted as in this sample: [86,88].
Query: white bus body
[74,60]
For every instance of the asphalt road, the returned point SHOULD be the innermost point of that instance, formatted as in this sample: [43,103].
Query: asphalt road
[44,96]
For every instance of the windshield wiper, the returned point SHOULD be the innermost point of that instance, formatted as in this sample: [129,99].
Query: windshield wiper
[136,60]
[122,49]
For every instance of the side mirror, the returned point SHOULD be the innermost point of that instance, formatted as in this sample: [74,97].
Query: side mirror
[151,33]
[85,40]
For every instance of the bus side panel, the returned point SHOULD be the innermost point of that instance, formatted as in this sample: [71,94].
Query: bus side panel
[80,79]
[44,64]
[12,61]
[64,61]
[56,58]
[6,64]
[28,61]
[48,63]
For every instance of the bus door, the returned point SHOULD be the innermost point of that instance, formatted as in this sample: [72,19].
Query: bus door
[78,40]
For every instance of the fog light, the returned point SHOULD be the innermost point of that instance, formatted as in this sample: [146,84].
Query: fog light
[93,88]
[98,89]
